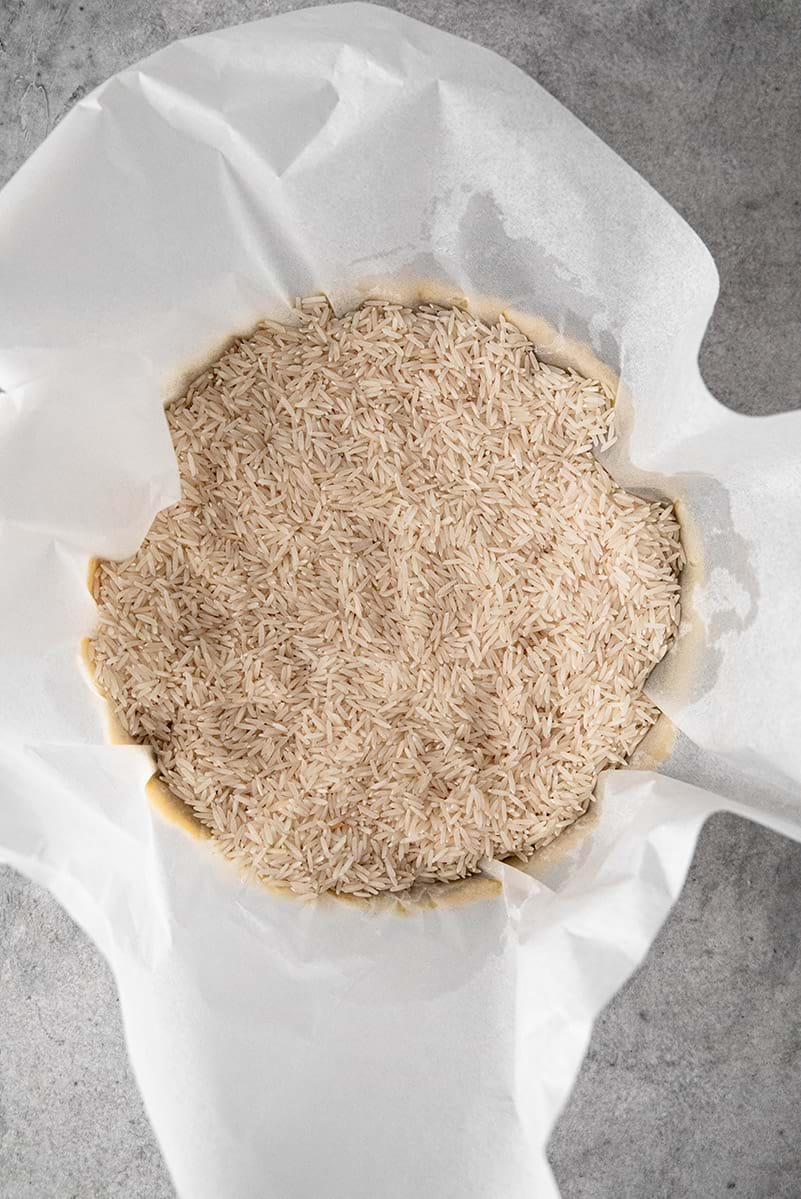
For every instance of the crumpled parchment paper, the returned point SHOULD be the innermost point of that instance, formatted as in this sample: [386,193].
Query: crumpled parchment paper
[289,1050]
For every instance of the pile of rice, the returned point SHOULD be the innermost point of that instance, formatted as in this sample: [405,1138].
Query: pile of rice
[401,617]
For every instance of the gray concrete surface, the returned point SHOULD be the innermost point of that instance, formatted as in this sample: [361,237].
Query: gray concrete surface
[692,1087]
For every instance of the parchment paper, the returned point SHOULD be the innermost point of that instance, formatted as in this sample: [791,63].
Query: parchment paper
[288,1050]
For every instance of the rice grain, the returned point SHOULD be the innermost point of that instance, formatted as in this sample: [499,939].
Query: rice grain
[401,617]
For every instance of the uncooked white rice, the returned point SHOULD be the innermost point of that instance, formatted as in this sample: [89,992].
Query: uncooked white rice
[401,617]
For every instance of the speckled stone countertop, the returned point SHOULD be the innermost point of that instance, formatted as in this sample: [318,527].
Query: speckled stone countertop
[692,1087]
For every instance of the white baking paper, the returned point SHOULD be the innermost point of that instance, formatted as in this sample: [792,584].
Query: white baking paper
[290,1050]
